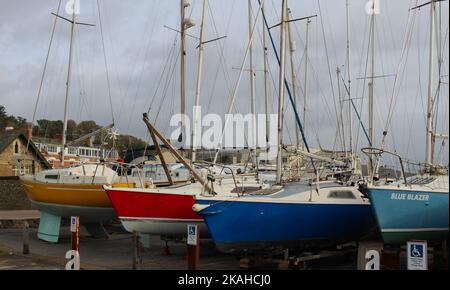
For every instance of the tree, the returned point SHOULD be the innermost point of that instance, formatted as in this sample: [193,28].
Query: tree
[123,143]
[48,129]
[6,120]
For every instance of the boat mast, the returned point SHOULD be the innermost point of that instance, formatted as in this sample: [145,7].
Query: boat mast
[429,140]
[341,109]
[305,84]
[197,116]
[183,5]
[252,86]
[266,78]
[292,50]
[349,79]
[371,92]
[281,89]
[69,81]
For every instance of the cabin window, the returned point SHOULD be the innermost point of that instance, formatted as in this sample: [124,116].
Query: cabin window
[51,176]
[343,194]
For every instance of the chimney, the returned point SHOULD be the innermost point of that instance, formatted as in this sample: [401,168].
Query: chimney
[29,131]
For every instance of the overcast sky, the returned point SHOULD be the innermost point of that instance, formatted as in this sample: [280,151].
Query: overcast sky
[143,64]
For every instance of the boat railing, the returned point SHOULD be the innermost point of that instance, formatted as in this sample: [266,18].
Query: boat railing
[121,169]
[211,177]
[371,151]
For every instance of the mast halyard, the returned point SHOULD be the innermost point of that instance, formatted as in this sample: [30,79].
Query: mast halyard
[197,111]
[69,81]
[281,89]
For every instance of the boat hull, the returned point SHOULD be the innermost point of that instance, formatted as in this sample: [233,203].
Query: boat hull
[239,226]
[156,213]
[88,201]
[404,215]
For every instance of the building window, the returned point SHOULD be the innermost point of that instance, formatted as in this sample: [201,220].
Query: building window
[52,149]
[16,148]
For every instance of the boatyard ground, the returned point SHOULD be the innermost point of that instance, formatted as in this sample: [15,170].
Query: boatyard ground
[114,253]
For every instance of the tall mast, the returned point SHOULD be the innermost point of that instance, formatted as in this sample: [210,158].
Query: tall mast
[371,92]
[184,4]
[429,140]
[349,77]
[292,49]
[341,109]
[198,88]
[266,78]
[252,85]
[305,84]
[281,88]
[69,81]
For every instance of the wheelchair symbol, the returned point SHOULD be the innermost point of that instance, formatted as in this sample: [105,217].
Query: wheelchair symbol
[415,252]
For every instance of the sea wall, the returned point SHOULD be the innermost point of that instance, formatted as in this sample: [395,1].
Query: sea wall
[12,194]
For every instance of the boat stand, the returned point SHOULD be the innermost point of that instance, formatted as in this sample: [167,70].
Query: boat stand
[286,262]
[96,230]
[166,249]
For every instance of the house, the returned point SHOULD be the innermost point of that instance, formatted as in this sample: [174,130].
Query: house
[74,155]
[18,155]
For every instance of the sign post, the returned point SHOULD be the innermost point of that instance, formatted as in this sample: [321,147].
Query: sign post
[73,254]
[193,247]
[74,231]
[417,255]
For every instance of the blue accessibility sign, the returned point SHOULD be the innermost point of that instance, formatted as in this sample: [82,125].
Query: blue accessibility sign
[416,251]
[417,255]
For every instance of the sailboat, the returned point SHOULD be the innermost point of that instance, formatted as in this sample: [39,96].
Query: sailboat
[287,215]
[415,207]
[166,211]
[74,191]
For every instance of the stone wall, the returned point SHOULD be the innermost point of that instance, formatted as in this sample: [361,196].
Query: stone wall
[9,160]
[13,195]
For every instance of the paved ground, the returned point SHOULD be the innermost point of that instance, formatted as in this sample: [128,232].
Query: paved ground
[114,253]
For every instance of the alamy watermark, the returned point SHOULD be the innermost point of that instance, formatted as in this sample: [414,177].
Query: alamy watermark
[73,6]
[234,131]
[372,7]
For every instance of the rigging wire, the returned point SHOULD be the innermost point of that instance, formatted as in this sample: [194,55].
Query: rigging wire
[106,63]
[44,69]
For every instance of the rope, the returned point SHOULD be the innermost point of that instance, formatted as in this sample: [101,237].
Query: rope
[44,70]
[106,63]
[403,56]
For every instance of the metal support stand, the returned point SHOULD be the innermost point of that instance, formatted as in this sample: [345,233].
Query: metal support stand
[26,238]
